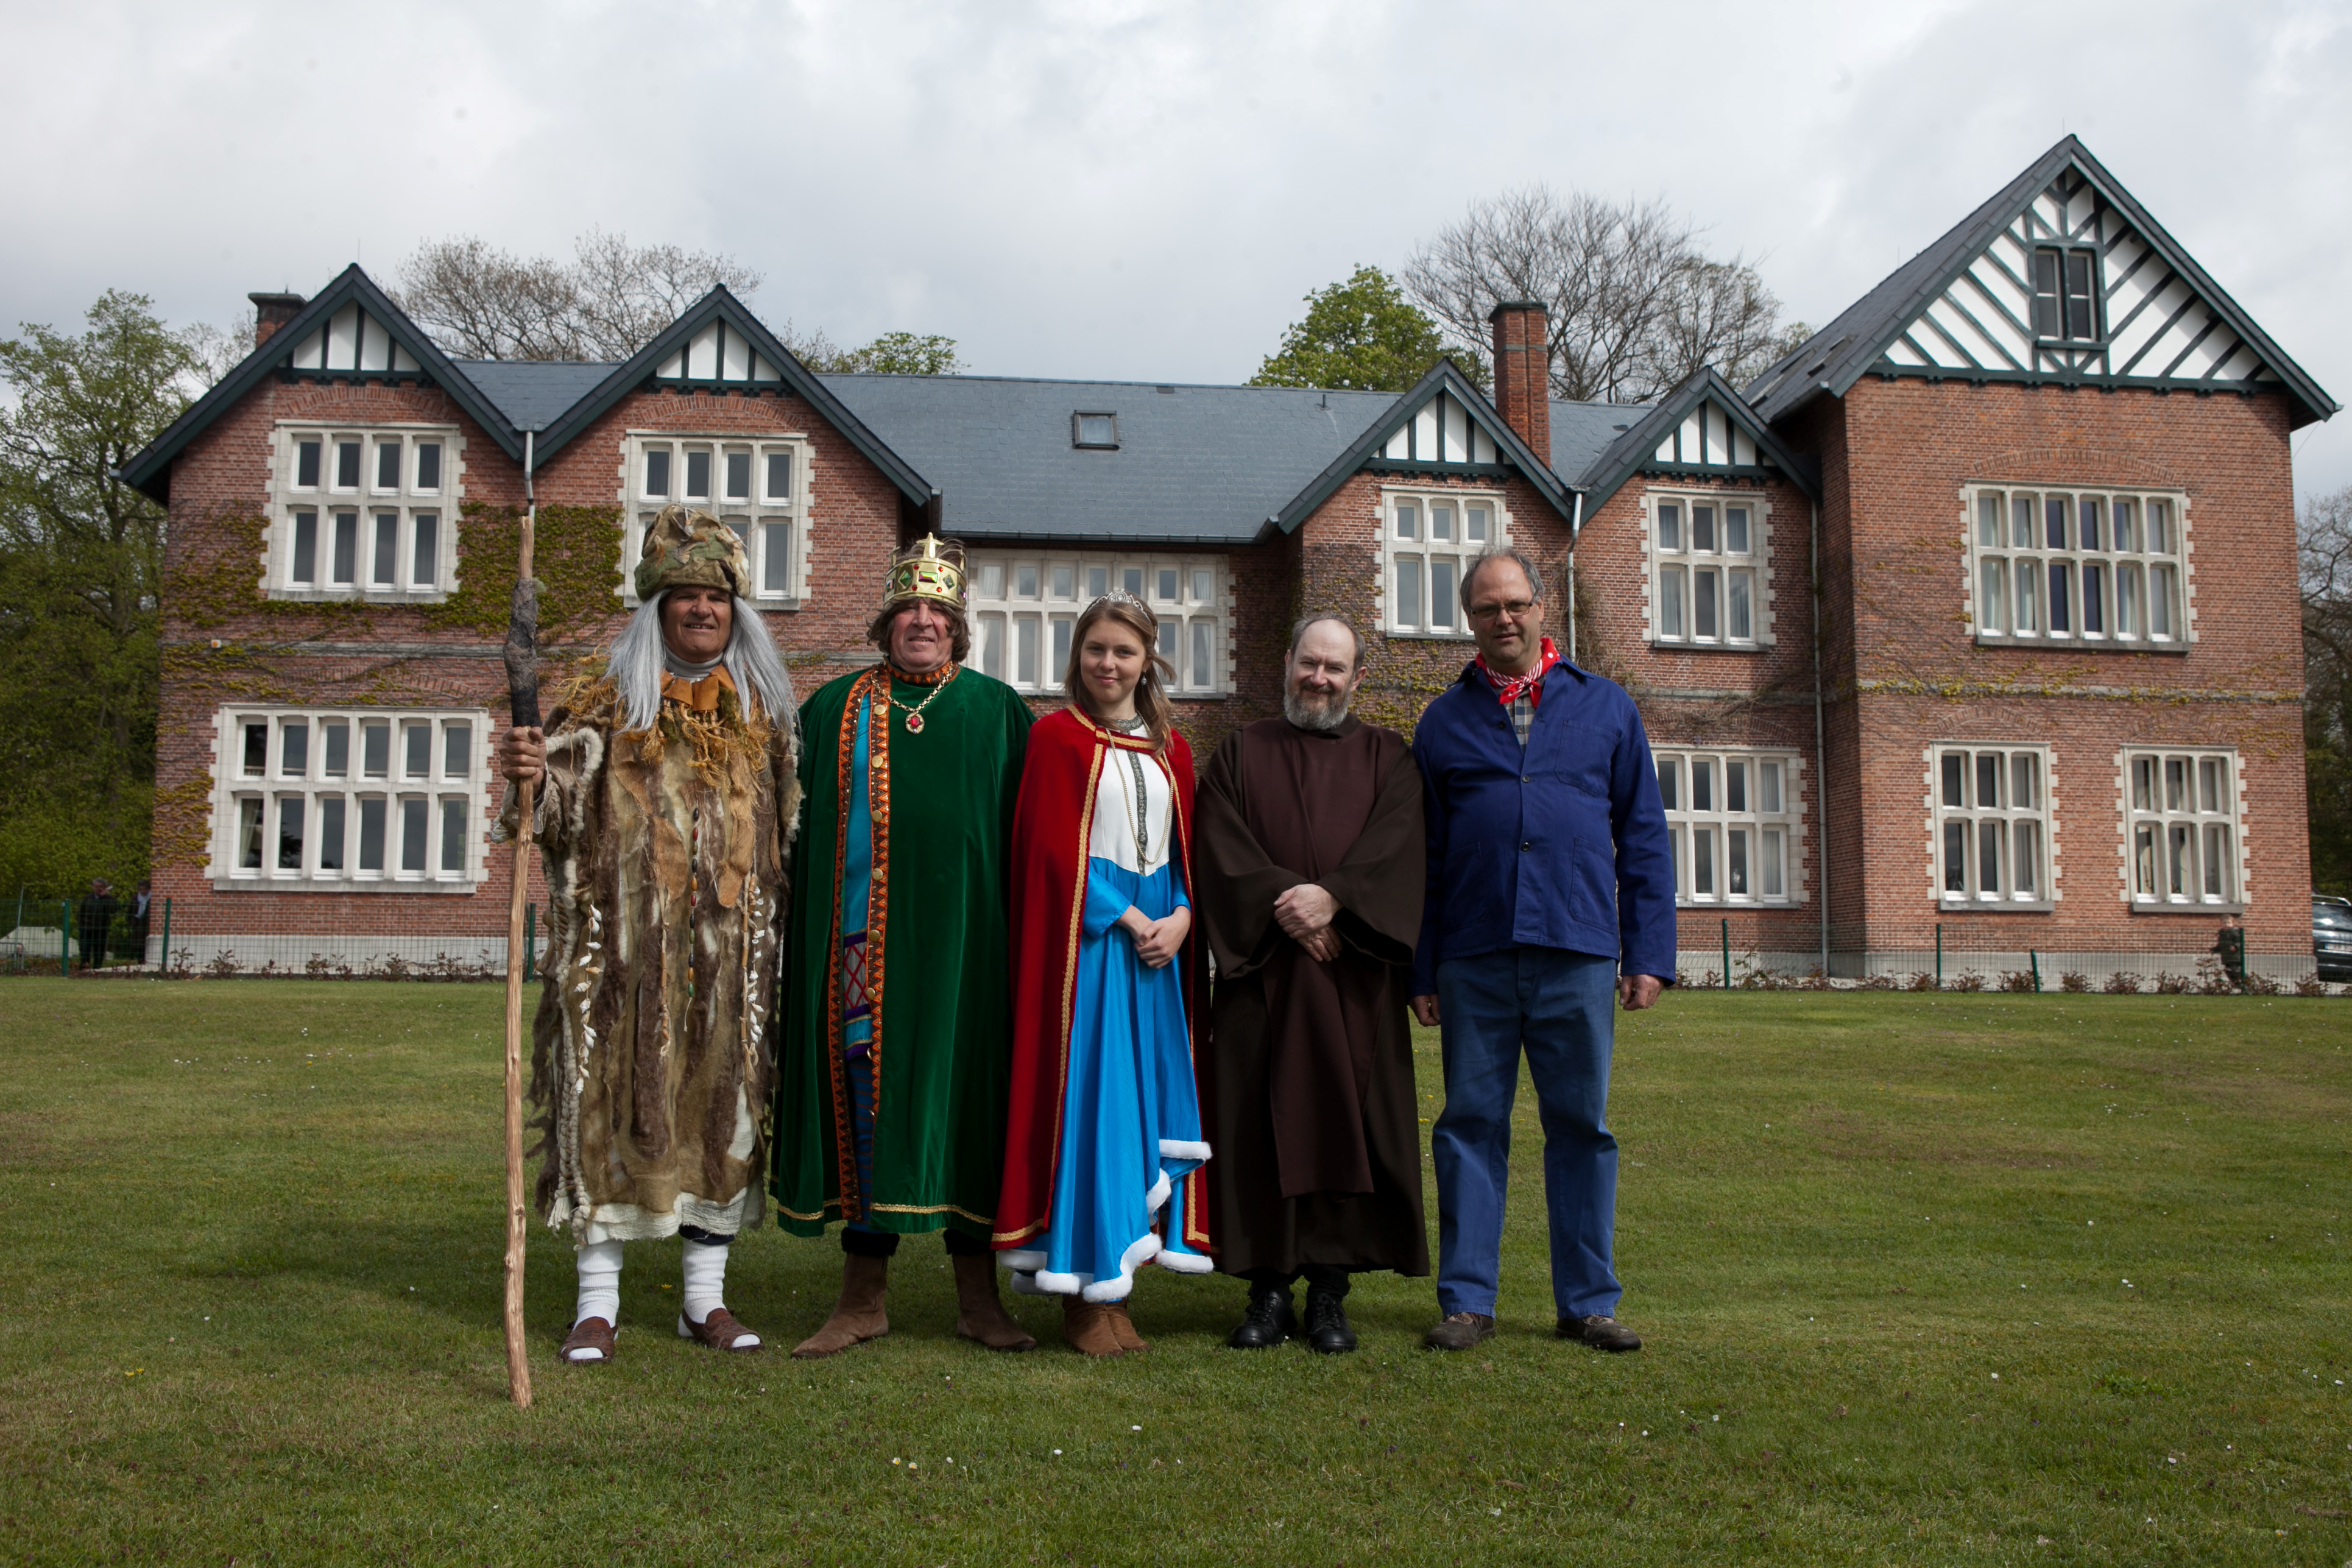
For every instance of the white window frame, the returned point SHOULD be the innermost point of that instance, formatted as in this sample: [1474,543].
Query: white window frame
[250,796]
[1421,574]
[1737,872]
[1676,569]
[2015,852]
[1020,636]
[764,520]
[2144,597]
[302,554]
[2183,816]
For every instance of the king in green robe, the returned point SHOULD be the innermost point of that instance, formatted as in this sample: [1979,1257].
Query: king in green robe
[893,1069]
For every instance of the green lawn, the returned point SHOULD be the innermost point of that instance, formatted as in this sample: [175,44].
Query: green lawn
[1978,1278]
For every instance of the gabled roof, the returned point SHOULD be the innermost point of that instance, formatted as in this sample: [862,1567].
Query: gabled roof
[1969,334]
[149,472]
[1580,432]
[532,394]
[722,308]
[1638,450]
[1193,465]
[1444,379]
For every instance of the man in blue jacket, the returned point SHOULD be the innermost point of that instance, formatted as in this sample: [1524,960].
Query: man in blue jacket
[1550,896]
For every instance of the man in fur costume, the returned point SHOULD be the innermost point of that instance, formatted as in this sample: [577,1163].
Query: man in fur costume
[670,790]
[897,1030]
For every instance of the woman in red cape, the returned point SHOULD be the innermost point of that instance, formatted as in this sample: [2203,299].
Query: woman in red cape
[1103,1144]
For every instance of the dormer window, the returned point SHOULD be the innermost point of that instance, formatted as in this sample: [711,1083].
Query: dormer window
[1095,431]
[2063,304]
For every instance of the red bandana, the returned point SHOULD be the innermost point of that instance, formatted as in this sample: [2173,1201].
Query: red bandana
[1509,688]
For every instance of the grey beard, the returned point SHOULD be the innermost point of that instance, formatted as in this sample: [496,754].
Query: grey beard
[1319,713]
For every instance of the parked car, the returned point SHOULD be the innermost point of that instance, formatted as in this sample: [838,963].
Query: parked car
[2331,936]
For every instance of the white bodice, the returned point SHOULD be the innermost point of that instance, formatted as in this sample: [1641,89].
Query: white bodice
[1117,808]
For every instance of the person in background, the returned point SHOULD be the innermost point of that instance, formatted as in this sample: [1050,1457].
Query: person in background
[93,921]
[1313,865]
[142,908]
[1102,1132]
[1551,896]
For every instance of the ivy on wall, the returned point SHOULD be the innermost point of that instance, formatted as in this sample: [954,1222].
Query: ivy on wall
[575,550]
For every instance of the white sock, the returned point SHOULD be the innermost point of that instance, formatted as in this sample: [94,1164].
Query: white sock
[599,1263]
[705,1280]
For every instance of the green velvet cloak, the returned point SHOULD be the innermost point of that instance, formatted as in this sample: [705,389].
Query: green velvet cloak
[942,1039]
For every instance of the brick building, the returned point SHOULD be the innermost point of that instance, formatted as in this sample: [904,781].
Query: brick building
[1976,612]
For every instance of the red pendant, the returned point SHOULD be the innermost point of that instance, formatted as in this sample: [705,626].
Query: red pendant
[913,723]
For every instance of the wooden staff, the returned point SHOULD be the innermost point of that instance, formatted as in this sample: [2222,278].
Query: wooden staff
[523,701]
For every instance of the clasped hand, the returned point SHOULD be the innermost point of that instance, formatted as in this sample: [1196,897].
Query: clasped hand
[1305,913]
[1156,942]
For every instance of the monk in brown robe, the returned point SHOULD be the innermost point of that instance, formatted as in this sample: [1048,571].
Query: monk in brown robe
[1312,868]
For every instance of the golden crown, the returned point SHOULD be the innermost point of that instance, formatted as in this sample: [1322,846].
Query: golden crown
[930,568]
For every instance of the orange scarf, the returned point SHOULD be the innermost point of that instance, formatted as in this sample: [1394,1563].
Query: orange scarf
[699,696]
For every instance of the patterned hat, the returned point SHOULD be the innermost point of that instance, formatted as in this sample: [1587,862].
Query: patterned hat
[932,568]
[692,549]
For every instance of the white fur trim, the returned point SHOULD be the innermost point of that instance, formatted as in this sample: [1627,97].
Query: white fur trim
[1141,1252]
[1024,1260]
[1177,1149]
[1186,1262]
[1157,1198]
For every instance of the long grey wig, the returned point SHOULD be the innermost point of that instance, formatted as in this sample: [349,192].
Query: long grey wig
[751,661]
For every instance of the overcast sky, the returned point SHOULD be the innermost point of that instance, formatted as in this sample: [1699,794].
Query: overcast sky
[1123,189]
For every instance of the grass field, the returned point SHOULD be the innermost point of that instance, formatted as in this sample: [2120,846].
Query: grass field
[1950,1278]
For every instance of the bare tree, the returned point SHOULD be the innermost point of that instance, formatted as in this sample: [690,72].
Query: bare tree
[480,302]
[2324,562]
[1635,305]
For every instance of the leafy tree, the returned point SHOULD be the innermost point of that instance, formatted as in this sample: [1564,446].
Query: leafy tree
[892,354]
[1361,335]
[2325,557]
[1635,305]
[81,561]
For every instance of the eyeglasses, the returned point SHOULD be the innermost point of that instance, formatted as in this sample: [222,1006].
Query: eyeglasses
[1514,608]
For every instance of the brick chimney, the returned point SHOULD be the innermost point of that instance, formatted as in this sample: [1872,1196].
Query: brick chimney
[272,312]
[1523,371]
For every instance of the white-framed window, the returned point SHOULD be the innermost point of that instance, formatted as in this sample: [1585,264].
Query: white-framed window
[1732,818]
[1993,826]
[350,799]
[1427,537]
[2089,567]
[1025,603]
[2180,827]
[364,512]
[1707,558]
[757,484]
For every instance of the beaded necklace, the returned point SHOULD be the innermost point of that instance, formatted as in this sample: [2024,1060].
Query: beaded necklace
[1137,803]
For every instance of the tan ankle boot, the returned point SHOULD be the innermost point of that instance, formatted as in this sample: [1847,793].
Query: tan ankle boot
[1086,1325]
[1122,1326]
[980,1313]
[857,1316]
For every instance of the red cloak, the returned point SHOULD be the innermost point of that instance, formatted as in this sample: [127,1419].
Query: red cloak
[1052,825]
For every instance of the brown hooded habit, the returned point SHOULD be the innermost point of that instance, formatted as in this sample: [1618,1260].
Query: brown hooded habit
[1308,1088]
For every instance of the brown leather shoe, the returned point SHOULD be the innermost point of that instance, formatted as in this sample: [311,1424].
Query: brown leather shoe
[1086,1325]
[859,1316]
[588,1334]
[1602,1333]
[720,1331]
[981,1316]
[1122,1326]
[1459,1331]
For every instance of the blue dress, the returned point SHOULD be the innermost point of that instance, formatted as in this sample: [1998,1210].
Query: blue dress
[1130,1114]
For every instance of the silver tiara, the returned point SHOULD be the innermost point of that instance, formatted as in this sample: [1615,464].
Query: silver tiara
[1121,596]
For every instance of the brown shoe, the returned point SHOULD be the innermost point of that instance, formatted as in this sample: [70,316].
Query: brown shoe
[1459,1331]
[859,1316]
[981,1316]
[1086,1325]
[589,1334]
[1602,1333]
[720,1331]
[1123,1327]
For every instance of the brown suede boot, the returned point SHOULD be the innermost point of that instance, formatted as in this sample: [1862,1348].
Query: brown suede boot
[1123,1327]
[857,1316]
[980,1313]
[1086,1325]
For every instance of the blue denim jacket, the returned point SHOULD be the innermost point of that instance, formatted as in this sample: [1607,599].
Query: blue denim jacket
[1563,844]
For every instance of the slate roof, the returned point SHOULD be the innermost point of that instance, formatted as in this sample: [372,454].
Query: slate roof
[1834,358]
[1635,450]
[532,394]
[1582,432]
[1203,464]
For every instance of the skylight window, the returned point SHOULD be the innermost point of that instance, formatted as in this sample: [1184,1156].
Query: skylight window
[1099,431]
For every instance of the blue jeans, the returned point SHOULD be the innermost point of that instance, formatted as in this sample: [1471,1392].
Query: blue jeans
[1558,1006]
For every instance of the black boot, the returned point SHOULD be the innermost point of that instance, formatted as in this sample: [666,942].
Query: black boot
[1270,1320]
[1326,1319]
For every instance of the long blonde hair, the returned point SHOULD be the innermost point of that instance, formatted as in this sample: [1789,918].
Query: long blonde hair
[1150,691]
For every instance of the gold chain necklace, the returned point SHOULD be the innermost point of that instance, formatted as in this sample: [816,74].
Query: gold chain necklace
[915,714]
